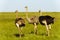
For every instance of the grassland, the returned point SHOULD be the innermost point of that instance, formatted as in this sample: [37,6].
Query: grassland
[8,28]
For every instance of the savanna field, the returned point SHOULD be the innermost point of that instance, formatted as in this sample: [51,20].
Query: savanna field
[8,28]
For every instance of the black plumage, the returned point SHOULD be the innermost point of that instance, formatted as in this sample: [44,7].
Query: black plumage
[47,18]
[20,21]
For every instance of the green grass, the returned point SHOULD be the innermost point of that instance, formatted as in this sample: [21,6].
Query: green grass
[8,28]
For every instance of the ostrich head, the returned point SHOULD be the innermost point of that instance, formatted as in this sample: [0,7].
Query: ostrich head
[16,11]
[26,7]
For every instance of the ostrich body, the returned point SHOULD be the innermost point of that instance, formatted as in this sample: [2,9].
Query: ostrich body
[47,21]
[32,20]
[20,22]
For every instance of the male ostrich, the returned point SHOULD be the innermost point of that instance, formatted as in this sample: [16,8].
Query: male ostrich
[19,22]
[47,21]
[33,20]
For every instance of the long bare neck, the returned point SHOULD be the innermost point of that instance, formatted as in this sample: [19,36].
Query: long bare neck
[28,19]
[26,12]
[40,12]
[16,13]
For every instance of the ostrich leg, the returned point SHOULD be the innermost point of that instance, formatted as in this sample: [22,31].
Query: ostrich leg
[47,28]
[35,28]
[19,29]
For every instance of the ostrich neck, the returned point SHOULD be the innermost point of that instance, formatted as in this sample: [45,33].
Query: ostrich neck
[28,19]
[40,13]
[16,15]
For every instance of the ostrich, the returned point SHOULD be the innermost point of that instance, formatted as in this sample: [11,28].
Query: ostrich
[47,21]
[19,22]
[32,20]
